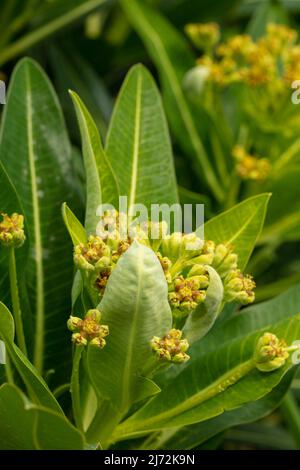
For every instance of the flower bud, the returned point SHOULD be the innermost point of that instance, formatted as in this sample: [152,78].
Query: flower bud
[204,36]
[171,348]
[74,323]
[185,295]
[94,253]
[224,260]
[239,288]
[12,230]
[207,253]
[89,329]
[270,353]
[179,246]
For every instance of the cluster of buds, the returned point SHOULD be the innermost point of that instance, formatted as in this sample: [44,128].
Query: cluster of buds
[203,35]
[12,230]
[92,255]
[88,330]
[183,258]
[185,294]
[250,167]
[171,348]
[239,288]
[272,59]
[270,353]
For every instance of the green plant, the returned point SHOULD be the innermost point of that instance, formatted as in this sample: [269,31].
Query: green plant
[160,350]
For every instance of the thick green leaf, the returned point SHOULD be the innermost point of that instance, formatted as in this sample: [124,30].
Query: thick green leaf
[138,144]
[38,389]
[73,225]
[101,185]
[202,319]
[182,401]
[239,226]
[190,437]
[135,308]
[36,153]
[24,426]
[173,58]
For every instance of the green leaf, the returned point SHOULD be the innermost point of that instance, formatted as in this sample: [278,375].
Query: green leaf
[37,387]
[173,58]
[35,428]
[100,181]
[211,385]
[268,12]
[73,225]
[135,307]
[138,144]
[202,319]
[190,437]
[239,226]
[36,154]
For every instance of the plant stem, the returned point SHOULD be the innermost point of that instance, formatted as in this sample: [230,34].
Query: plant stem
[157,422]
[291,413]
[16,301]
[8,370]
[75,388]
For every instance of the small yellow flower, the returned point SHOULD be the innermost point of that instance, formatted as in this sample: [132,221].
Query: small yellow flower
[12,230]
[171,348]
[88,330]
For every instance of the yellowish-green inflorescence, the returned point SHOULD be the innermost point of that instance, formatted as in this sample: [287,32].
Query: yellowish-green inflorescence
[12,230]
[270,353]
[88,330]
[184,258]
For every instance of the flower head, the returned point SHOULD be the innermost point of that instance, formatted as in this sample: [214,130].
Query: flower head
[186,294]
[171,348]
[239,288]
[204,35]
[88,330]
[270,353]
[12,230]
[91,255]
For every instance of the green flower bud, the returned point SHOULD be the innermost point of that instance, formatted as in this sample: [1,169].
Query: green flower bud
[239,288]
[177,246]
[74,323]
[79,340]
[207,253]
[93,254]
[204,36]
[171,348]
[270,353]
[12,230]
[89,329]
[185,294]
[166,265]
[224,260]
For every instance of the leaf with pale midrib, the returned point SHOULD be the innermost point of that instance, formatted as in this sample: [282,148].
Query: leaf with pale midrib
[35,151]
[138,144]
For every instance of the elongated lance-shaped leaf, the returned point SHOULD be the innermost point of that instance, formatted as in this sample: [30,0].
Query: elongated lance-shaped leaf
[135,308]
[35,384]
[239,226]
[73,225]
[138,144]
[173,58]
[101,185]
[37,428]
[222,380]
[35,151]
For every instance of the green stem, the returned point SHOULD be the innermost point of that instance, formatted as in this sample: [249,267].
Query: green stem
[157,422]
[291,413]
[8,370]
[75,388]
[16,301]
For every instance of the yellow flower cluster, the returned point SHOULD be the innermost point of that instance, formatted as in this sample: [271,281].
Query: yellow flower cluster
[171,348]
[272,59]
[12,230]
[250,167]
[184,259]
